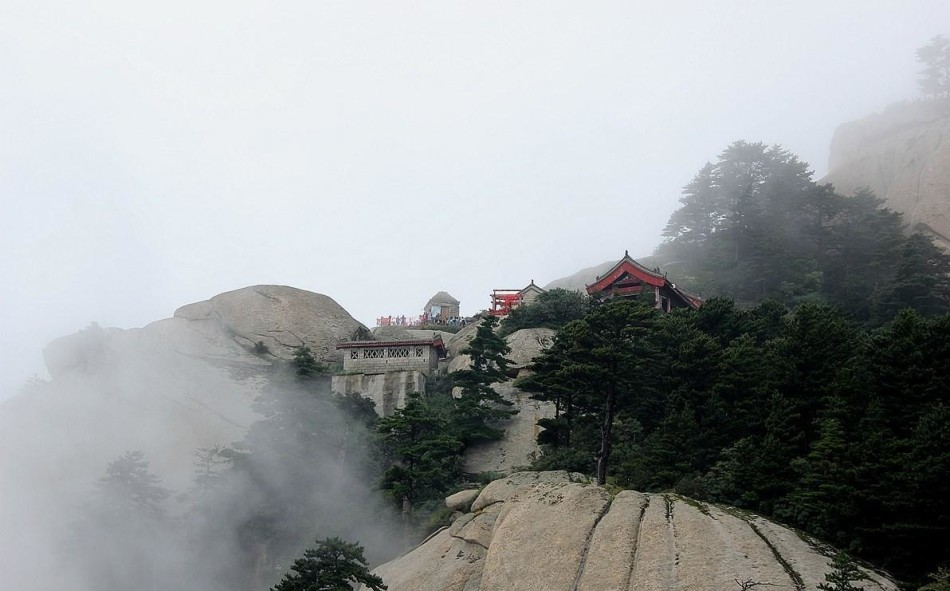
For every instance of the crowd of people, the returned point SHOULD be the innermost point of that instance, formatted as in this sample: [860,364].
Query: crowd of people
[421,320]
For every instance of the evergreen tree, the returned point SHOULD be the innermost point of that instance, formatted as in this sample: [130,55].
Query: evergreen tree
[754,225]
[593,370]
[129,483]
[907,361]
[423,458]
[480,407]
[820,343]
[861,246]
[209,464]
[843,575]
[305,363]
[737,227]
[551,309]
[921,279]
[334,565]
[825,496]
[670,449]
[123,538]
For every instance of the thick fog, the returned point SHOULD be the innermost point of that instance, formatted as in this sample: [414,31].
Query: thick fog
[143,467]
[154,156]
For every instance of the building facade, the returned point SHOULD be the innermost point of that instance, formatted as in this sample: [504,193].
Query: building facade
[441,308]
[630,279]
[372,357]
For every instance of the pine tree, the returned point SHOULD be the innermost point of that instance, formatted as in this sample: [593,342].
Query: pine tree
[424,458]
[825,496]
[126,520]
[843,575]
[305,363]
[480,407]
[921,279]
[332,566]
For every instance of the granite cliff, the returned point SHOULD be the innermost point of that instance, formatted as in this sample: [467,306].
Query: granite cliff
[552,531]
[903,155]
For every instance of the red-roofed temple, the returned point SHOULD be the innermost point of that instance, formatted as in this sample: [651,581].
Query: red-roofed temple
[630,279]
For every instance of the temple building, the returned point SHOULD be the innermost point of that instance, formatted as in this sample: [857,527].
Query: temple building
[503,301]
[630,279]
[530,293]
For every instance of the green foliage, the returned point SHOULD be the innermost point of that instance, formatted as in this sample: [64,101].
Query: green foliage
[479,408]
[306,364]
[447,328]
[934,78]
[423,458]
[334,565]
[754,225]
[551,309]
[833,427]
[940,580]
[921,279]
[591,371]
[843,575]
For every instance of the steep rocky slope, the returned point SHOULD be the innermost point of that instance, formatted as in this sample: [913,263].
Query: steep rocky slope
[175,385]
[551,531]
[903,155]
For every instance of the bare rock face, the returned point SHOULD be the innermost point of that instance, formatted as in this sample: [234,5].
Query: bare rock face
[461,339]
[526,344]
[903,155]
[388,391]
[518,448]
[281,317]
[462,500]
[166,389]
[391,333]
[581,279]
[547,531]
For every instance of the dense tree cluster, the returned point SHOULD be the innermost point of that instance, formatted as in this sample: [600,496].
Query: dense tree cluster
[421,444]
[754,225]
[552,309]
[803,415]
[421,453]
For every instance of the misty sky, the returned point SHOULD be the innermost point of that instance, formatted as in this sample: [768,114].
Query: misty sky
[157,154]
